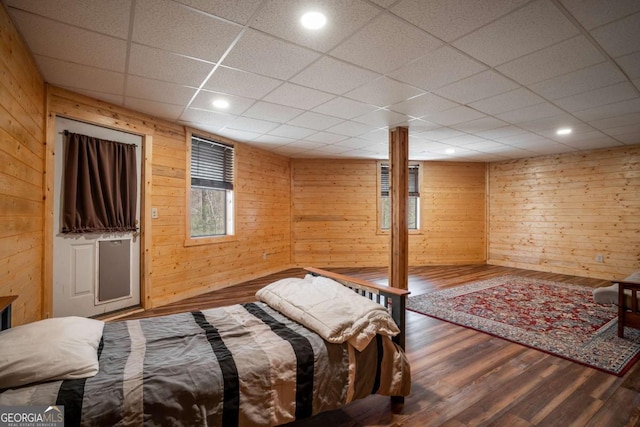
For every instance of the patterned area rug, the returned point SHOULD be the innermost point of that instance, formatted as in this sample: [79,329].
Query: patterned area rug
[558,318]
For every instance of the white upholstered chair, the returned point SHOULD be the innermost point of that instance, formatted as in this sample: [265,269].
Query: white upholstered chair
[627,300]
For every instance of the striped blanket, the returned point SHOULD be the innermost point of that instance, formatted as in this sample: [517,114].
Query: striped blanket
[239,365]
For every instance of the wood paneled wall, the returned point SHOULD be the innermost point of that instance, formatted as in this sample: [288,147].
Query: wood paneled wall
[335,224]
[22,103]
[262,201]
[556,213]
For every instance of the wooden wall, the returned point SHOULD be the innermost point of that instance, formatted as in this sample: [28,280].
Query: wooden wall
[22,103]
[556,213]
[262,200]
[335,224]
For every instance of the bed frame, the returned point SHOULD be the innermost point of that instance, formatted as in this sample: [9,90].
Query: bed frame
[394,299]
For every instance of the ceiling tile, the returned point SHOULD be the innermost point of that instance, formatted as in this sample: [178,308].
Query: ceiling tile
[488,147]
[608,123]
[156,90]
[479,125]
[437,69]
[167,66]
[170,26]
[383,92]
[354,143]
[344,108]
[502,132]
[211,119]
[236,11]
[76,76]
[545,147]
[482,85]
[332,149]
[282,19]
[464,140]
[385,44]
[154,108]
[266,55]
[292,132]
[454,115]
[252,125]
[417,126]
[273,140]
[377,136]
[598,97]
[440,134]
[593,143]
[238,135]
[110,18]
[237,105]
[289,150]
[240,83]
[69,43]
[326,137]
[570,55]
[450,19]
[297,96]
[520,140]
[352,129]
[594,13]
[384,3]
[272,112]
[550,124]
[610,110]
[631,65]
[620,37]
[530,113]
[313,120]
[382,118]
[580,81]
[423,105]
[334,76]
[533,27]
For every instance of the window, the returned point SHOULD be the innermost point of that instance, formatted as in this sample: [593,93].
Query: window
[414,197]
[211,193]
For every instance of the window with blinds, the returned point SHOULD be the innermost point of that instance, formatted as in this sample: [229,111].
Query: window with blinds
[414,197]
[211,193]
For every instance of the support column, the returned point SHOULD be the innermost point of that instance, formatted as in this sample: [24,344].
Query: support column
[399,196]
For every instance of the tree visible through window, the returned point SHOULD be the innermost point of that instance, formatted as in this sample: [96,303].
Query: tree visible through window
[413,210]
[211,188]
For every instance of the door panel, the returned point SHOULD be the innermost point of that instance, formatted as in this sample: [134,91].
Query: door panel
[76,257]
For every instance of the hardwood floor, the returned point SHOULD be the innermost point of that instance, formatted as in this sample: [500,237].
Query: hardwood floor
[466,378]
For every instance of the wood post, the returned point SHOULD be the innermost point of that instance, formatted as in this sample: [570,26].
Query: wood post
[399,195]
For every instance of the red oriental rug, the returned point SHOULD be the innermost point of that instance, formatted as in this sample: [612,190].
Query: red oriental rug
[557,318]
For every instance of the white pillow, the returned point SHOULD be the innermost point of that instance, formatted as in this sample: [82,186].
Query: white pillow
[52,349]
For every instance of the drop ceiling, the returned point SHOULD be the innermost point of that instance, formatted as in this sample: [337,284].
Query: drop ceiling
[491,79]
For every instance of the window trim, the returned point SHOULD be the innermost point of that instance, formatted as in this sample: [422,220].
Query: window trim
[379,229]
[208,240]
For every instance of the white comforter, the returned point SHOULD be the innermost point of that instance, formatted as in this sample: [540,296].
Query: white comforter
[333,311]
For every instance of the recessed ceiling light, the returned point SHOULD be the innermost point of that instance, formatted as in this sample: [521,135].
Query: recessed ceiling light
[450,151]
[313,20]
[221,103]
[564,131]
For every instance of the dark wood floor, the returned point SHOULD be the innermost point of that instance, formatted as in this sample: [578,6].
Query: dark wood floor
[466,378]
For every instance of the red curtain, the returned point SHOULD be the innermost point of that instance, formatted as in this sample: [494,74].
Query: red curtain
[99,185]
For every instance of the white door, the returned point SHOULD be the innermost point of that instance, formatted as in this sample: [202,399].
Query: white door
[77,257]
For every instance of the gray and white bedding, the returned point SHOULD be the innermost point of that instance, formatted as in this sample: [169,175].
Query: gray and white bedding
[244,364]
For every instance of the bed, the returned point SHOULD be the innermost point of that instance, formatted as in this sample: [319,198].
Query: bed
[245,364]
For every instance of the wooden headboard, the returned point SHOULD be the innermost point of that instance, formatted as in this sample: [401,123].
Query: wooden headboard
[393,299]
